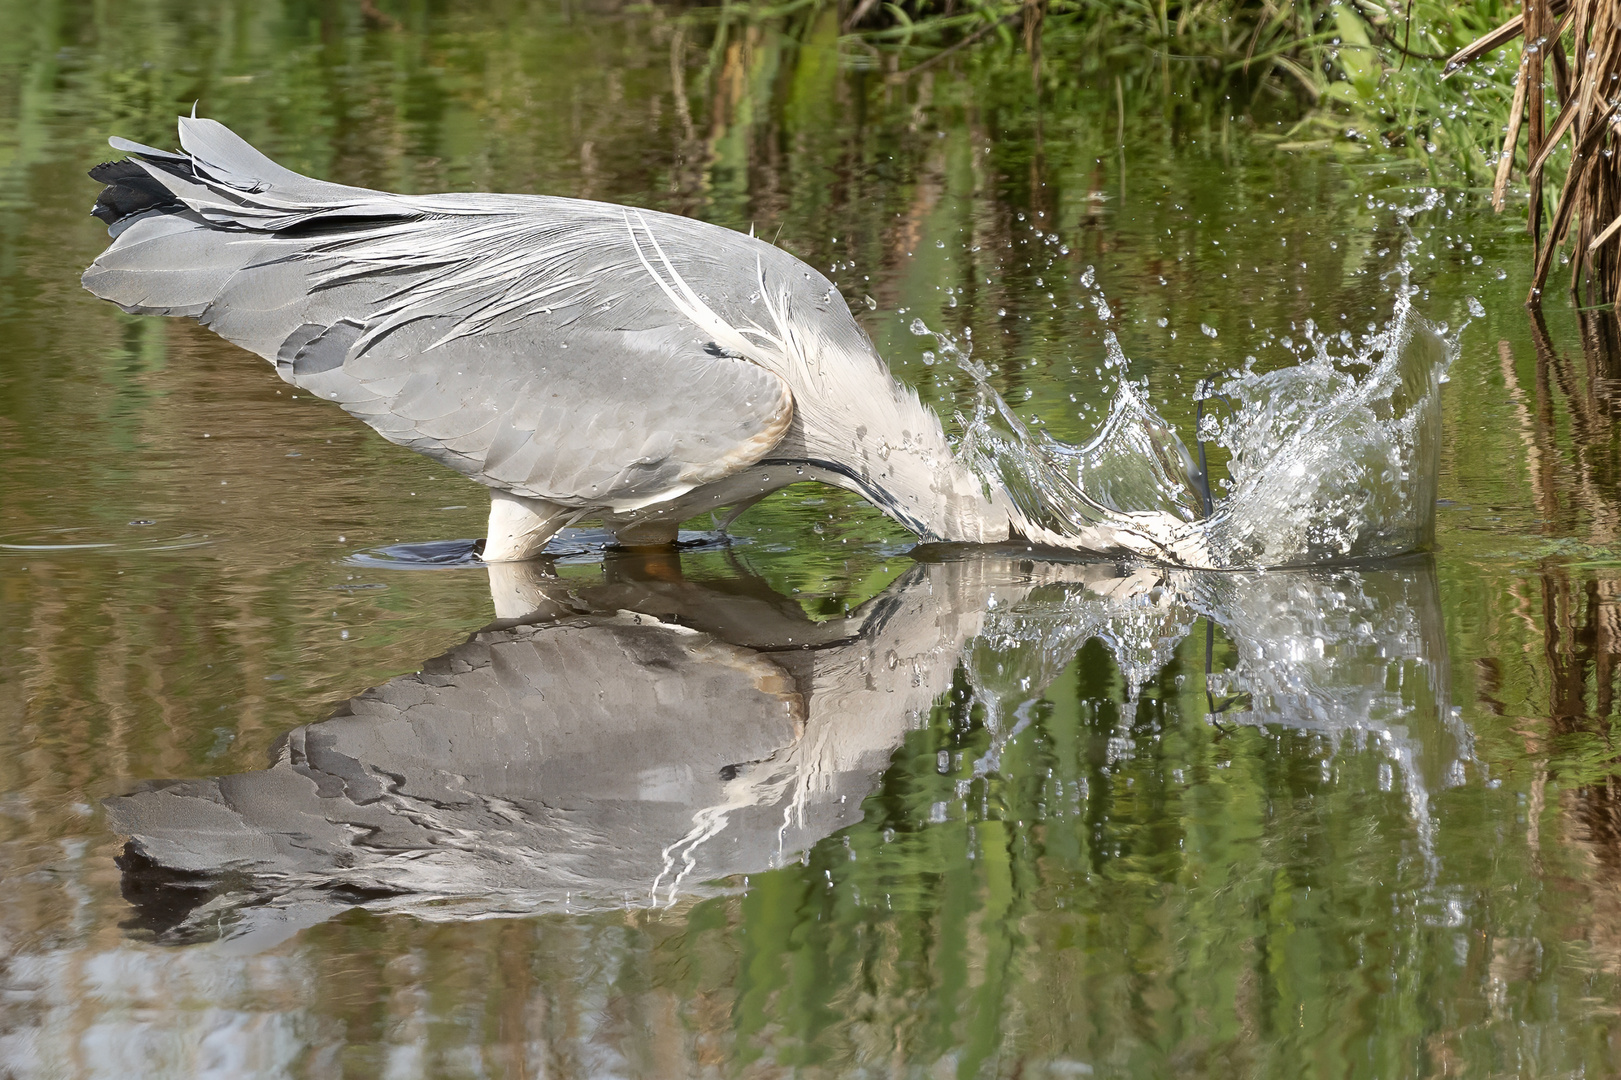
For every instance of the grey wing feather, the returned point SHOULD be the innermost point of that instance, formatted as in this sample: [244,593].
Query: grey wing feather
[536,344]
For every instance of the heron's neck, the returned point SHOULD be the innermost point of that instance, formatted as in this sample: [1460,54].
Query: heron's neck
[883,443]
[887,446]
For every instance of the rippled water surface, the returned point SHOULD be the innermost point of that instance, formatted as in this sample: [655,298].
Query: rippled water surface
[807,801]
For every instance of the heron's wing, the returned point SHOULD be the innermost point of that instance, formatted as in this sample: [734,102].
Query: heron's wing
[550,347]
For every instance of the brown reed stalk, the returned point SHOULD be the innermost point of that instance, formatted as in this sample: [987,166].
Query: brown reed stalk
[1586,78]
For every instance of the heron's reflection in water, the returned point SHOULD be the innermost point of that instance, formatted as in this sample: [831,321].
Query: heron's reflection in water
[634,741]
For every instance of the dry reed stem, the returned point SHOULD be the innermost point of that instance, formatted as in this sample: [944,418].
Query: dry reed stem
[1484,44]
[1505,160]
[1586,84]
[1604,237]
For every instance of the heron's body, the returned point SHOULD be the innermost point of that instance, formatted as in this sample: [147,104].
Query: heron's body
[578,359]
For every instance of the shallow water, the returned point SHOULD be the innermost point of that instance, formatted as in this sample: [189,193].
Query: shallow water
[1002,817]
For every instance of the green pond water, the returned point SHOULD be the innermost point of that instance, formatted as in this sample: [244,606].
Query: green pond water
[801,804]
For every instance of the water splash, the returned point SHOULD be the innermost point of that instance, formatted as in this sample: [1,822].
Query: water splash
[1333,459]
[1328,463]
[1135,464]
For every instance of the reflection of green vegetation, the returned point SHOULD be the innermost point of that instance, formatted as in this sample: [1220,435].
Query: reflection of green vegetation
[1350,76]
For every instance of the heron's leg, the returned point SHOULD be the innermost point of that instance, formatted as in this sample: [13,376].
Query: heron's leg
[520,527]
[645,532]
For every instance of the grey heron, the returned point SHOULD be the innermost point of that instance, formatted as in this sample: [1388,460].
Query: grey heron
[579,359]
